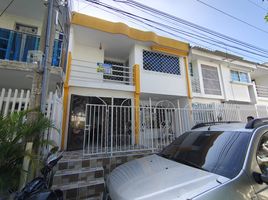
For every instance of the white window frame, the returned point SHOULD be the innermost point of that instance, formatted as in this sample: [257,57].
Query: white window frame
[239,76]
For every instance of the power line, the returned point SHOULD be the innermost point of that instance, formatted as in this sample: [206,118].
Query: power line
[262,8]
[215,43]
[6,7]
[229,15]
[187,23]
[180,31]
[190,24]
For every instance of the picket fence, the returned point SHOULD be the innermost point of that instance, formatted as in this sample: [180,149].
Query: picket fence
[18,100]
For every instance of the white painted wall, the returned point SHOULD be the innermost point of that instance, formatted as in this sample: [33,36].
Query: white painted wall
[231,91]
[100,93]
[8,21]
[84,69]
[262,81]
[160,83]
[235,91]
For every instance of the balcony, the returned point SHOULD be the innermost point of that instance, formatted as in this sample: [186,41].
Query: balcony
[195,85]
[101,75]
[262,91]
[16,45]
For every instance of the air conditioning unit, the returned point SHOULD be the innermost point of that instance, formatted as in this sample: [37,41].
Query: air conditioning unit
[34,56]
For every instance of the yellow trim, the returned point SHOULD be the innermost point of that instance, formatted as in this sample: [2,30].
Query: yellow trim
[171,51]
[65,100]
[188,81]
[121,28]
[136,72]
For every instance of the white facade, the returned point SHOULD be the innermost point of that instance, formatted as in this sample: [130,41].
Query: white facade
[229,90]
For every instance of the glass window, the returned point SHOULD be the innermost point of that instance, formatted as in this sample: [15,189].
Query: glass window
[219,152]
[243,77]
[262,154]
[158,62]
[235,75]
[239,76]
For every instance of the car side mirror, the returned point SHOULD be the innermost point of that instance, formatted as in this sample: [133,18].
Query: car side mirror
[260,178]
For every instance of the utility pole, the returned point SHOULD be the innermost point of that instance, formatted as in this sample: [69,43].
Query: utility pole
[46,45]
[40,74]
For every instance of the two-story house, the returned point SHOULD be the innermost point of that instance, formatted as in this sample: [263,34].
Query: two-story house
[224,81]
[21,28]
[115,73]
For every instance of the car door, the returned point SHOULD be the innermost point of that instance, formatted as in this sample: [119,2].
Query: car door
[259,164]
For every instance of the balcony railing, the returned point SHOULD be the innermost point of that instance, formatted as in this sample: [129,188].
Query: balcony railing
[262,91]
[195,85]
[16,45]
[87,71]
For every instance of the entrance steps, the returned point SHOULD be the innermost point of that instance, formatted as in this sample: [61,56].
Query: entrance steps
[83,177]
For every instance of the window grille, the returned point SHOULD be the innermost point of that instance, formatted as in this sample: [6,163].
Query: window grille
[211,80]
[158,62]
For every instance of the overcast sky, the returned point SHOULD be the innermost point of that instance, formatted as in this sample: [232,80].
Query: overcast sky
[200,14]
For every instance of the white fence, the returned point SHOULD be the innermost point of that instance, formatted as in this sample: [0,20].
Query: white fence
[18,100]
[112,129]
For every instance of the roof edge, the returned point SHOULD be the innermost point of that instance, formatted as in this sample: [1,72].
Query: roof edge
[121,28]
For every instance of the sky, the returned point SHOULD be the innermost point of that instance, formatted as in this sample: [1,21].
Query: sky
[195,12]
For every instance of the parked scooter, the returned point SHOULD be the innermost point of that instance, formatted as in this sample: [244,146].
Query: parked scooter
[39,187]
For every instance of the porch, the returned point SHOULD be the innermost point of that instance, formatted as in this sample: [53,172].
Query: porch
[23,47]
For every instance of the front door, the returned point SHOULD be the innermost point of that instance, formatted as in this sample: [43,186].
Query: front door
[77,119]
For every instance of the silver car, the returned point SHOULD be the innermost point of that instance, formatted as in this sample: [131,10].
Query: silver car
[211,162]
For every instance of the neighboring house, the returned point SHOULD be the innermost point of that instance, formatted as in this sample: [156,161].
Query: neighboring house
[21,26]
[260,79]
[217,77]
[114,72]
[20,30]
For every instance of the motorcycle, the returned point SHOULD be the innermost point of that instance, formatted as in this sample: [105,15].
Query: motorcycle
[39,187]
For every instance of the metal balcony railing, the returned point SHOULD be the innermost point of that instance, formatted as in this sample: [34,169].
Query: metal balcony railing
[195,85]
[87,71]
[16,46]
[262,91]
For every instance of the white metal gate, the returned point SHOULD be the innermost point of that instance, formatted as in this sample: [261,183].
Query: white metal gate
[108,129]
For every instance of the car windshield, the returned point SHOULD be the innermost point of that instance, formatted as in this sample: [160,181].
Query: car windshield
[219,152]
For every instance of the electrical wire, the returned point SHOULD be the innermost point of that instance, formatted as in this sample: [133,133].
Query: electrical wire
[190,24]
[7,7]
[129,14]
[233,17]
[262,8]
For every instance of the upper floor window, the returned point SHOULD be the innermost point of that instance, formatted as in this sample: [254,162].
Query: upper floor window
[239,76]
[161,63]
[211,80]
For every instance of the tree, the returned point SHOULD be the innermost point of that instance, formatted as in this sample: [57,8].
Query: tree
[15,132]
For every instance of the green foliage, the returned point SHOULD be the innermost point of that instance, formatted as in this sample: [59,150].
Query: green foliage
[15,132]
[266,17]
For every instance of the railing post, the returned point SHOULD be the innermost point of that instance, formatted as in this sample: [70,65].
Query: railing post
[136,71]
[151,124]
[112,120]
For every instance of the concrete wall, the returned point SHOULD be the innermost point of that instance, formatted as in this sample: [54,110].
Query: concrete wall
[230,91]
[160,83]
[8,22]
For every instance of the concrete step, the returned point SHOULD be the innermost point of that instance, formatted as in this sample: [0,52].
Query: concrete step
[75,175]
[82,189]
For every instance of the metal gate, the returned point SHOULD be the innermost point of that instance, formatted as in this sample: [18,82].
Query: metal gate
[108,129]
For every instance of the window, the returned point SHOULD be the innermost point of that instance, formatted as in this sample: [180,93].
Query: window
[191,69]
[262,153]
[153,61]
[239,76]
[211,80]
[213,151]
